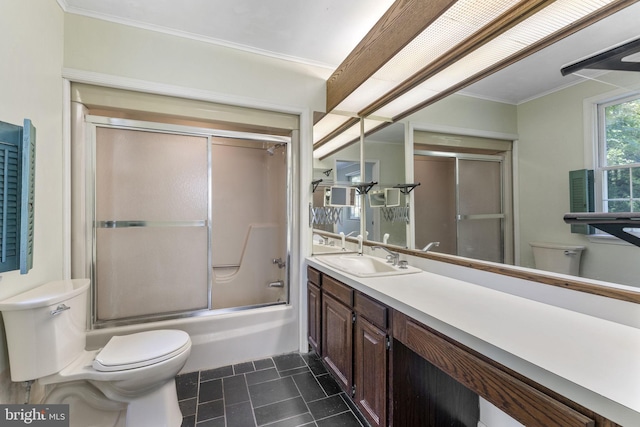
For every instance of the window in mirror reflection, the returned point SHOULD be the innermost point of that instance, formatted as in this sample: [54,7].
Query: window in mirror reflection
[354,212]
[619,159]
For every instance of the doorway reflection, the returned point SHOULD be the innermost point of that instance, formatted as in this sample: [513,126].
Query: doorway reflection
[460,204]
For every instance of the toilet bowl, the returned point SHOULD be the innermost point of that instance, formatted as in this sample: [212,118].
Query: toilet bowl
[557,258]
[45,330]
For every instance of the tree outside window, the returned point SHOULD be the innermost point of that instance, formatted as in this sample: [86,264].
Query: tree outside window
[619,155]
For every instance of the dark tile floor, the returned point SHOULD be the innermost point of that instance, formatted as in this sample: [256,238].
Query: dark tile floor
[282,391]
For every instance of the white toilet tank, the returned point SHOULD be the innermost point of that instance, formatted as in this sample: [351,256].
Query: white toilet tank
[557,258]
[45,328]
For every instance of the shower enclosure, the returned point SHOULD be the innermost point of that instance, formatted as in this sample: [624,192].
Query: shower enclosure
[182,220]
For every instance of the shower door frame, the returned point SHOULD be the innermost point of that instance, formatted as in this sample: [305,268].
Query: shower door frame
[91,123]
[501,159]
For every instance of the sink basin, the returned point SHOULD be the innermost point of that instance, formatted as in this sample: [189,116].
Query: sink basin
[364,266]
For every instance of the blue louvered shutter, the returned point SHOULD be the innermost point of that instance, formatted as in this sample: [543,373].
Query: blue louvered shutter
[10,169]
[27,177]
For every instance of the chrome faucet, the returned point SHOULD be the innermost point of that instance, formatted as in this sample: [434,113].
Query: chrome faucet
[343,237]
[430,245]
[393,257]
[321,240]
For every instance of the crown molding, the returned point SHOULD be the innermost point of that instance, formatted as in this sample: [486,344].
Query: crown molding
[191,36]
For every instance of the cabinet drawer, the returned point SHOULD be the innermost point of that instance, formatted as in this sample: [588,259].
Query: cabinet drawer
[313,276]
[370,309]
[340,291]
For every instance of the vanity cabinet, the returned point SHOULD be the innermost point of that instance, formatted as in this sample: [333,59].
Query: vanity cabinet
[371,359]
[337,331]
[314,307]
[400,372]
[355,344]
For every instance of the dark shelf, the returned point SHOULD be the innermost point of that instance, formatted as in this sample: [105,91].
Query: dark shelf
[612,223]
[364,187]
[406,188]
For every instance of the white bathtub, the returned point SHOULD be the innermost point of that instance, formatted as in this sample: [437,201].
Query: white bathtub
[223,339]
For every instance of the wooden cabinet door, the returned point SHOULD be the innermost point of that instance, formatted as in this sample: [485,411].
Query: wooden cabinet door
[314,313]
[337,340]
[370,371]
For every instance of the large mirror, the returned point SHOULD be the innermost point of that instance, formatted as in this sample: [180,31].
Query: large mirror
[387,201]
[507,143]
[333,223]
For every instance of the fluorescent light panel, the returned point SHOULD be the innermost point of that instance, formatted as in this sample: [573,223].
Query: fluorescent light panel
[458,23]
[328,124]
[348,136]
[343,139]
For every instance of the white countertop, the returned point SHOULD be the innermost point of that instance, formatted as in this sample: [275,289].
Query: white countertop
[592,361]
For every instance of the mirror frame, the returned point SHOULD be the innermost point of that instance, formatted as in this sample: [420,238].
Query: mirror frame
[520,273]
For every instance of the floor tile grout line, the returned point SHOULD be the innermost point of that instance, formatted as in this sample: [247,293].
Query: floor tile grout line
[195,421]
[338,413]
[289,418]
[341,393]
[303,399]
[279,401]
[315,377]
[272,379]
[284,400]
[344,398]
[224,402]
[253,410]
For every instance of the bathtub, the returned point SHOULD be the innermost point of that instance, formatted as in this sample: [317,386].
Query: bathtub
[220,339]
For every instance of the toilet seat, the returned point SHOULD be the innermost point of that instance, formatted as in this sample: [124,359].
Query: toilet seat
[140,350]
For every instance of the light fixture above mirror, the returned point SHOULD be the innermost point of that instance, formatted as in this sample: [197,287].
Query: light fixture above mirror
[448,46]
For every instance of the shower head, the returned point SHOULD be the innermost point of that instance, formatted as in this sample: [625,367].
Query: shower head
[271,150]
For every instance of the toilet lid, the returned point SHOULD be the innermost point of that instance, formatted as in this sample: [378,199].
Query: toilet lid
[140,349]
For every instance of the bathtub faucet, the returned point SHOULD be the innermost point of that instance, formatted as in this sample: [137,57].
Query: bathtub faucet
[280,262]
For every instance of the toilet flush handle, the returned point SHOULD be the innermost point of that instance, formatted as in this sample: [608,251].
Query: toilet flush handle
[570,253]
[59,309]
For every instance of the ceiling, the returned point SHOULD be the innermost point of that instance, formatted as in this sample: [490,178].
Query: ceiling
[320,32]
[323,32]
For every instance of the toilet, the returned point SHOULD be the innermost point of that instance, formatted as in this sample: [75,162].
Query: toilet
[557,258]
[46,336]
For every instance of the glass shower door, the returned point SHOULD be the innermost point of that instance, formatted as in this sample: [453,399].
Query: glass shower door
[151,228]
[480,211]
[249,224]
